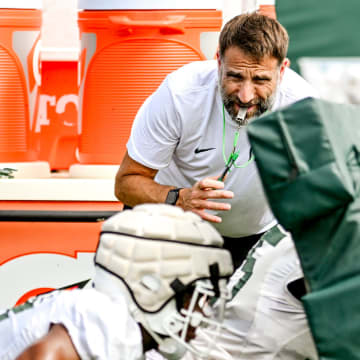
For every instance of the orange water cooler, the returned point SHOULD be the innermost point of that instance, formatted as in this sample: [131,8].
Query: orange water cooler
[20,23]
[128,47]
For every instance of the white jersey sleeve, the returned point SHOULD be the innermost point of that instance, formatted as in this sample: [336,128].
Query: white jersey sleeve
[98,327]
[263,321]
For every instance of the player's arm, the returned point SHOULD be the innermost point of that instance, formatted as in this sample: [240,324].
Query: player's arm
[56,345]
[134,184]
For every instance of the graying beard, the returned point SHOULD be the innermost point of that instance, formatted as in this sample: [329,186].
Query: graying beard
[267,105]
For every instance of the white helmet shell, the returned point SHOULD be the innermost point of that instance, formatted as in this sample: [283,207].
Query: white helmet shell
[152,245]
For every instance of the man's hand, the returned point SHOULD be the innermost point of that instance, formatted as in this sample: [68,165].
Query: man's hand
[135,185]
[196,199]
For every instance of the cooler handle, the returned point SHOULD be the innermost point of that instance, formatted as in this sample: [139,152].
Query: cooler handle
[36,63]
[172,23]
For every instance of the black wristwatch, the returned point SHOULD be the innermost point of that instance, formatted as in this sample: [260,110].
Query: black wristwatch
[172,196]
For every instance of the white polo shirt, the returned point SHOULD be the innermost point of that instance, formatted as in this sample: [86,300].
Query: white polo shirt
[184,115]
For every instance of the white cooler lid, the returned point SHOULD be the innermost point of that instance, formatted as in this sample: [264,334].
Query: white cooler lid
[149,5]
[20,4]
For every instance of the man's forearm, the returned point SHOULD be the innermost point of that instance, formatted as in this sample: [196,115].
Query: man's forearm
[134,185]
[137,189]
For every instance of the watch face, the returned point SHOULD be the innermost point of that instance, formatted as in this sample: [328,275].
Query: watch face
[172,197]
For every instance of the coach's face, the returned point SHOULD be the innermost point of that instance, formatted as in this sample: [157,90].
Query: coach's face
[247,82]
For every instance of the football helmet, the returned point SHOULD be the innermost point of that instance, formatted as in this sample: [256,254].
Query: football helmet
[153,255]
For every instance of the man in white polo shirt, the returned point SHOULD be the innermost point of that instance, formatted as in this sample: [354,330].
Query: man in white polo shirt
[187,132]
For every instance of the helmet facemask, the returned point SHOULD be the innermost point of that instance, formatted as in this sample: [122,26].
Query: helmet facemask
[180,326]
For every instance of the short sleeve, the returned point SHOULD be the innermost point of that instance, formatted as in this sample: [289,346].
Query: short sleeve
[156,130]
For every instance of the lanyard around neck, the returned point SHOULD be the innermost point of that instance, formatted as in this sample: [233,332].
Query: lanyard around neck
[234,154]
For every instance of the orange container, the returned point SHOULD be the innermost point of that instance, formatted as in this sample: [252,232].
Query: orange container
[125,56]
[19,32]
[47,245]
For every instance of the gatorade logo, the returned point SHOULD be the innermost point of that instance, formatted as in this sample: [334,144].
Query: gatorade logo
[60,105]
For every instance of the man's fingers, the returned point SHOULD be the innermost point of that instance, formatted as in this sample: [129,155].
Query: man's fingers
[210,205]
[209,183]
[210,189]
[199,198]
[206,216]
[215,194]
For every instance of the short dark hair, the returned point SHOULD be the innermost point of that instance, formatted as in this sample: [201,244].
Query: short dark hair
[255,34]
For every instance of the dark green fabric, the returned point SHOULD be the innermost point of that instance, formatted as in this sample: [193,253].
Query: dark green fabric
[334,315]
[320,204]
[322,28]
[305,158]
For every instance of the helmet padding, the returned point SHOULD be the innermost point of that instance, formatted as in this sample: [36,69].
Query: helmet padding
[153,245]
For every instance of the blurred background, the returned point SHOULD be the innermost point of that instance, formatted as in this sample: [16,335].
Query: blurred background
[73,74]
[324,47]
[80,69]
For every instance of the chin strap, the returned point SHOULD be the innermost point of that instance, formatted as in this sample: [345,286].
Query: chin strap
[179,290]
[214,278]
